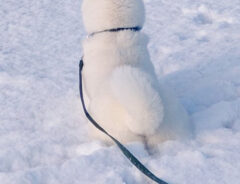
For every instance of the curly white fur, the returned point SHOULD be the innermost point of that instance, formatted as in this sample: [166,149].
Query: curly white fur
[123,92]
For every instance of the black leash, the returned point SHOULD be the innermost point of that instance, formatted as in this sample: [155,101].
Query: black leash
[124,150]
[135,29]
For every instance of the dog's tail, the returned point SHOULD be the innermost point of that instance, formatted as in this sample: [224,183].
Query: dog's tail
[134,90]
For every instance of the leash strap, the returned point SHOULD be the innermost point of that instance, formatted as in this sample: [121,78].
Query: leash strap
[124,150]
[137,28]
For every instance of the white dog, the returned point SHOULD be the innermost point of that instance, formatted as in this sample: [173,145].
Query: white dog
[121,88]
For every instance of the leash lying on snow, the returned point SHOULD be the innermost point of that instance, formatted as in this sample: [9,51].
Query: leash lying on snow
[124,150]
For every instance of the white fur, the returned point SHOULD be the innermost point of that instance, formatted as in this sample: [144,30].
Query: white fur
[121,87]
[100,15]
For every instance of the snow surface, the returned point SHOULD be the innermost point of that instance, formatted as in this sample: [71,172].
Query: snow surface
[195,47]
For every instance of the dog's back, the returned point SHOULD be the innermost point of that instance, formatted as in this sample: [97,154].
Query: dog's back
[119,79]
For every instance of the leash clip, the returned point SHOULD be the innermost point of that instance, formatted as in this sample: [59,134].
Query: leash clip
[81,64]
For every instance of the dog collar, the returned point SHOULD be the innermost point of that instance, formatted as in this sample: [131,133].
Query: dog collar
[135,29]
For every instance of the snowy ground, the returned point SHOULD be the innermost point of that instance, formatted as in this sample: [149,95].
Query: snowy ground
[195,47]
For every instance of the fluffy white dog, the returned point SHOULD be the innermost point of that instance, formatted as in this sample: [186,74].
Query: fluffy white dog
[120,85]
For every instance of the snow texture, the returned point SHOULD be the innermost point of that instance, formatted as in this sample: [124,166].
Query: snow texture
[195,49]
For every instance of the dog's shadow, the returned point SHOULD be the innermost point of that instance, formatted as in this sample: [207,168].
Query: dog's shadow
[206,83]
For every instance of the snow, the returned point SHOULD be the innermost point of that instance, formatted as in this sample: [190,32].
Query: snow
[194,45]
